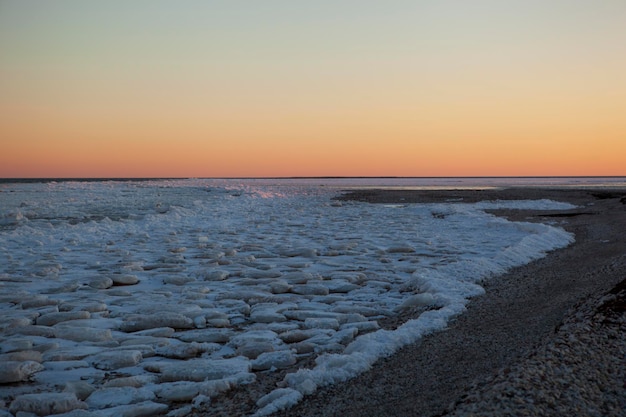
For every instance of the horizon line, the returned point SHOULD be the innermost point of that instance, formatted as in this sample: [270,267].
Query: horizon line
[51,179]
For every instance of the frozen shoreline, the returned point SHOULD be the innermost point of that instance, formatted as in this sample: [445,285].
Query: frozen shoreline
[233,325]
[454,372]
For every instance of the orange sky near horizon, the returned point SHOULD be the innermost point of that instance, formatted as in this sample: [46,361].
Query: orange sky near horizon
[350,88]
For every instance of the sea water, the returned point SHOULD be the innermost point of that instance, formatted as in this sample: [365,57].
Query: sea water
[243,276]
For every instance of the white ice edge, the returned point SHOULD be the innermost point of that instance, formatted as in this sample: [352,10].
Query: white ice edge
[361,354]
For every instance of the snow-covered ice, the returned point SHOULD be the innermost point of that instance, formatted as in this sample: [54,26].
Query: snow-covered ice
[128,296]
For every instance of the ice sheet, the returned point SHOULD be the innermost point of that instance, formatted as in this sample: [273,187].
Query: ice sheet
[208,282]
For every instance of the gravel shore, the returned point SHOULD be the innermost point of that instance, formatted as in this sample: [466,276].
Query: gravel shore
[580,372]
[547,338]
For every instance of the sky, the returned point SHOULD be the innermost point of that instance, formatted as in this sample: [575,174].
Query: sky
[279,88]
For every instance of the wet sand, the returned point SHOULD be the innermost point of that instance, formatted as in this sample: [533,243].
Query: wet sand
[520,315]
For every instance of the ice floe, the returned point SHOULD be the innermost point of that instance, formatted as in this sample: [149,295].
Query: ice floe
[44,404]
[111,307]
[18,370]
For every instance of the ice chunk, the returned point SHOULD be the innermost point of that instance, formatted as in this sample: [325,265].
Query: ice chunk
[186,390]
[144,340]
[124,279]
[255,336]
[83,334]
[362,326]
[16,322]
[298,277]
[51,319]
[100,283]
[147,351]
[92,307]
[293,252]
[143,409]
[65,288]
[199,322]
[112,397]
[363,310]
[178,280]
[280,359]
[341,286]
[279,399]
[206,335]
[70,354]
[132,381]
[344,336]
[417,300]
[200,369]
[400,249]
[32,330]
[352,277]
[280,286]
[177,391]
[283,327]
[156,332]
[258,273]
[310,289]
[302,315]
[38,301]
[215,275]
[22,355]
[201,401]
[116,359]
[14,345]
[81,389]
[351,318]
[44,404]
[266,313]
[119,293]
[253,349]
[65,365]
[13,218]
[248,295]
[295,336]
[14,371]
[321,323]
[166,319]
[186,350]
[218,322]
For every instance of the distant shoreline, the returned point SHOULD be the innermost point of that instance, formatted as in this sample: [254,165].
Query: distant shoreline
[92,179]
[367,182]
[48,180]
